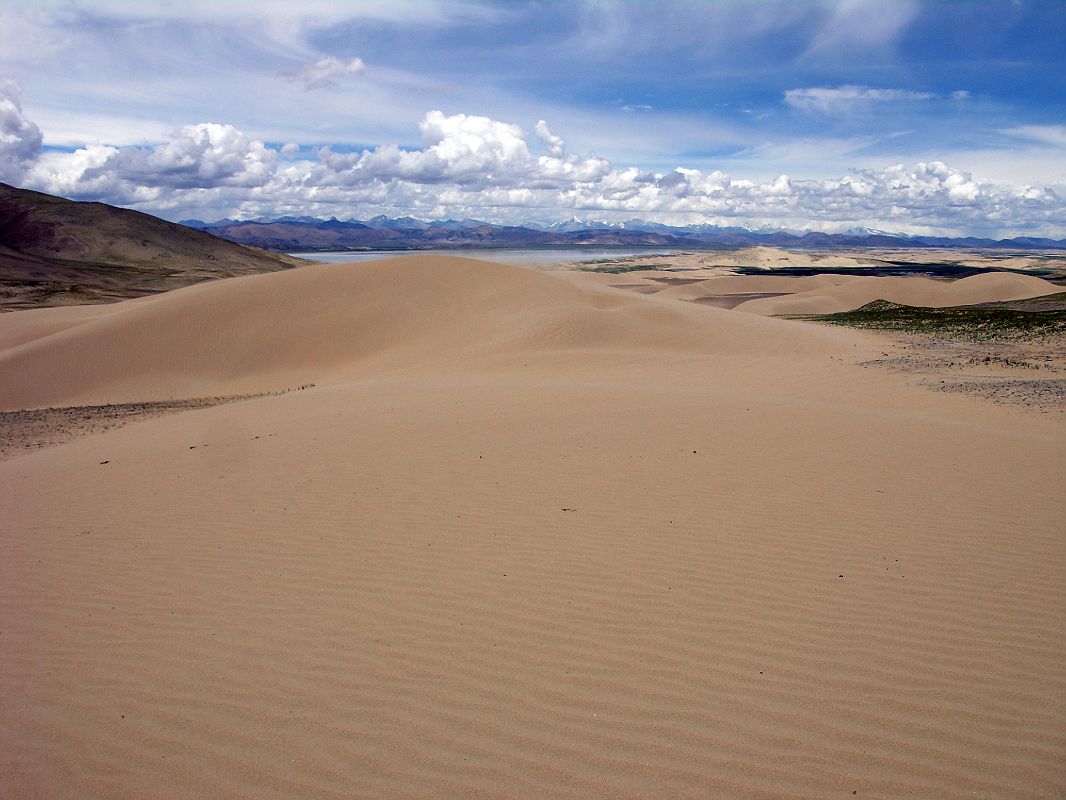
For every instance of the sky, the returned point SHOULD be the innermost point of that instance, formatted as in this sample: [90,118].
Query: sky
[916,116]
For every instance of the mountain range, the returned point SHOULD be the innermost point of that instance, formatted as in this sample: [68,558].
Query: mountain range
[304,233]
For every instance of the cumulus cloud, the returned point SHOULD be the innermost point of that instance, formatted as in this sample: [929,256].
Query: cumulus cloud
[842,99]
[482,164]
[555,143]
[67,174]
[20,139]
[468,151]
[204,156]
[478,166]
[207,154]
[472,147]
[321,74]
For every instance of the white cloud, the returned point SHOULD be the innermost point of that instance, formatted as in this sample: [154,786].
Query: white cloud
[482,167]
[203,156]
[78,174]
[473,146]
[842,99]
[468,151]
[321,74]
[20,139]
[555,143]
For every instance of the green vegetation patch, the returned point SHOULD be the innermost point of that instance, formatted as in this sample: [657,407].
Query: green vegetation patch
[971,323]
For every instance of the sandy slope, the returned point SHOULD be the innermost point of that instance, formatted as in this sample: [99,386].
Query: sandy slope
[909,290]
[524,539]
[329,322]
[38,323]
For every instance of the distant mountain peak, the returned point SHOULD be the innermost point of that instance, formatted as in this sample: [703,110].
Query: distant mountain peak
[408,232]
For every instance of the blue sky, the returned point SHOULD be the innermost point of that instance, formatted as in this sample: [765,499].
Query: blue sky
[901,115]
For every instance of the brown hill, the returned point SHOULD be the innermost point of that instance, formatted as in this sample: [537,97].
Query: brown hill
[61,252]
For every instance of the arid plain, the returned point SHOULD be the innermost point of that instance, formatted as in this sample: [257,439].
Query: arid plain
[471,530]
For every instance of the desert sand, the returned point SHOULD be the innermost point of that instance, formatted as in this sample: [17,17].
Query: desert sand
[911,291]
[525,537]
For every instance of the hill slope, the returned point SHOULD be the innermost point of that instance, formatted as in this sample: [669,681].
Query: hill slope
[61,252]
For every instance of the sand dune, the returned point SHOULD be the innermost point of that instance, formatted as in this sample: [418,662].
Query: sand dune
[910,290]
[523,539]
[34,324]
